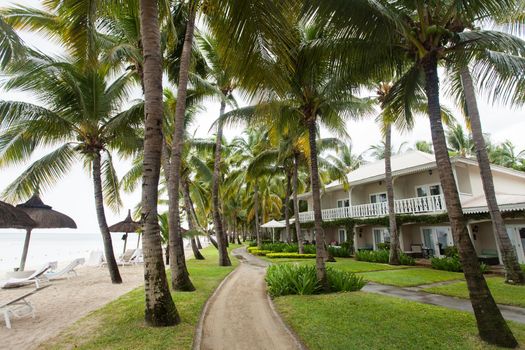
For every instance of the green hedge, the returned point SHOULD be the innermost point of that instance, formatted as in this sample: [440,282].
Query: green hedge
[290,256]
[260,252]
[382,256]
[286,279]
[452,263]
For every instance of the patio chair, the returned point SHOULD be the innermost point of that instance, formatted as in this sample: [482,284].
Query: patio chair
[18,307]
[68,271]
[96,258]
[137,257]
[35,277]
[124,259]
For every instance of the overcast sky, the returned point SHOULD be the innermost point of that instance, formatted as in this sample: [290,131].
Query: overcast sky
[73,195]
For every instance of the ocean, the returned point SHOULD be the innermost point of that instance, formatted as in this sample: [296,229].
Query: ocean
[61,247]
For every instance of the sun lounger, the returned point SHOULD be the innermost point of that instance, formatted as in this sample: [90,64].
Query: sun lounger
[35,277]
[137,257]
[18,307]
[124,259]
[67,272]
[96,258]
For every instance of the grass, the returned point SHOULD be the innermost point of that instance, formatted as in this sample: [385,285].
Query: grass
[370,321]
[411,277]
[503,293]
[119,324]
[345,264]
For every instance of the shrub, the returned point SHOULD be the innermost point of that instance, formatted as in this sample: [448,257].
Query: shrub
[250,249]
[383,246]
[344,281]
[297,279]
[289,256]
[260,252]
[309,248]
[406,260]
[522,267]
[377,256]
[339,252]
[281,247]
[252,244]
[484,268]
[447,264]
[289,279]
[452,252]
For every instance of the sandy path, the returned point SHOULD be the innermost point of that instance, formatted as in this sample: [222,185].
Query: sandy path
[239,314]
[63,303]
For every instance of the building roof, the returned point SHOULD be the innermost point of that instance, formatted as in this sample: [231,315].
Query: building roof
[506,202]
[403,164]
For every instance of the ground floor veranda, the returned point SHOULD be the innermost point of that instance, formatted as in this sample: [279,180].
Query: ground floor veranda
[422,239]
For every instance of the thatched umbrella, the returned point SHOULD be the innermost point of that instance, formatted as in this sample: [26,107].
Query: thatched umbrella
[45,217]
[12,217]
[126,226]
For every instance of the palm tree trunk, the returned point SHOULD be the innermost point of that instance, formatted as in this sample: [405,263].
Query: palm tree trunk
[160,309]
[180,279]
[321,255]
[224,259]
[102,224]
[287,208]
[394,236]
[513,272]
[256,208]
[189,215]
[199,245]
[296,203]
[491,325]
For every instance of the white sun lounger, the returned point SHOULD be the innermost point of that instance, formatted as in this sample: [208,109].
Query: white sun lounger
[68,271]
[125,259]
[35,277]
[18,307]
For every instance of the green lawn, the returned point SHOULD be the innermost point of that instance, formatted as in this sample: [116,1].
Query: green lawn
[411,277]
[503,293]
[119,325]
[361,320]
[346,264]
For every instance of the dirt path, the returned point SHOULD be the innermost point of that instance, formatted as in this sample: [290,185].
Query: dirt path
[240,316]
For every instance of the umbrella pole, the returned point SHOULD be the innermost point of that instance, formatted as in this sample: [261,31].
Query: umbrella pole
[138,241]
[26,248]
[125,243]
[273,235]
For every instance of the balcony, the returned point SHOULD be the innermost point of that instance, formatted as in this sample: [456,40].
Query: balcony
[417,205]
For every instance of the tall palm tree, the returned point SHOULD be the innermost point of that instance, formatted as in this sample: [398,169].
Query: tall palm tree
[459,143]
[70,121]
[424,146]
[429,34]
[160,309]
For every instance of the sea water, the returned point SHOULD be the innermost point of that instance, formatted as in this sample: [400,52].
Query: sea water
[61,247]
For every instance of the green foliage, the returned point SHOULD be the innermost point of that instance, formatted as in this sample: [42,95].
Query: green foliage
[309,249]
[383,246]
[259,252]
[382,256]
[289,256]
[252,244]
[281,247]
[339,252]
[446,263]
[288,279]
[484,268]
[451,251]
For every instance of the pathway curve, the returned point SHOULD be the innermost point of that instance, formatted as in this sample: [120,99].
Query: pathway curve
[512,313]
[239,315]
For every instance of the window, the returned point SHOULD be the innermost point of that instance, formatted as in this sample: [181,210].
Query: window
[378,197]
[342,235]
[343,203]
[428,190]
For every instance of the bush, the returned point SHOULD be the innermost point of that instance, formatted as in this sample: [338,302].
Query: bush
[484,268]
[260,252]
[339,252]
[383,246]
[309,248]
[343,281]
[289,256]
[281,247]
[522,267]
[451,252]
[377,256]
[297,279]
[252,243]
[447,264]
[382,256]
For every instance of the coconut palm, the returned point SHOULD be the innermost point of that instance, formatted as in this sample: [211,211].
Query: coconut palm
[459,143]
[424,146]
[429,34]
[69,121]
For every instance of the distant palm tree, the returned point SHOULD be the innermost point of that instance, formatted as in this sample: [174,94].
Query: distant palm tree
[459,143]
[377,151]
[424,146]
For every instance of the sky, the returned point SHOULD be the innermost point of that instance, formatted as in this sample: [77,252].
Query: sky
[73,194]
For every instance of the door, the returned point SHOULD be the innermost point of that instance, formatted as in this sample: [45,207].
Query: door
[437,239]
[428,240]
[342,235]
[381,235]
[517,238]
[443,239]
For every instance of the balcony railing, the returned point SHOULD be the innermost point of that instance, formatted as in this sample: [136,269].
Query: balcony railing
[415,205]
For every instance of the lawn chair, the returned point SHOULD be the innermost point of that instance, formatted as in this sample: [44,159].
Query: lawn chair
[96,258]
[68,271]
[18,307]
[137,257]
[35,277]
[124,259]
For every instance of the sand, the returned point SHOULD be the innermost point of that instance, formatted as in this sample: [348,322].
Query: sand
[63,303]
[240,315]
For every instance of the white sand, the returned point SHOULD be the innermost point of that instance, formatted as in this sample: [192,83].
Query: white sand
[63,303]
[66,301]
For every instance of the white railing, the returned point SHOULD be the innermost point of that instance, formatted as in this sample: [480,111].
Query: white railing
[414,205]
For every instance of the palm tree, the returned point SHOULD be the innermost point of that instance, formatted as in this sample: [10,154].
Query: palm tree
[70,121]
[379,150]
[428,36]
[424,146]
[459,144]
[505,154]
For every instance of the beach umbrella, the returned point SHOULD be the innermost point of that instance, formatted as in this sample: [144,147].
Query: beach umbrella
[273,225]
[44,217]
[126,226]
[12,217]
